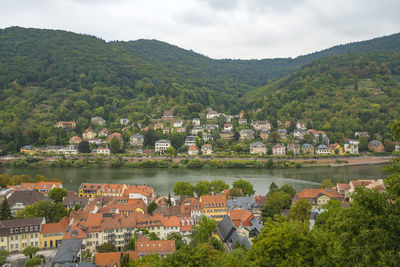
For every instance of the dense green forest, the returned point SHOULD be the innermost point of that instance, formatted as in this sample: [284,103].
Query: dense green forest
[48,75]
[340,94]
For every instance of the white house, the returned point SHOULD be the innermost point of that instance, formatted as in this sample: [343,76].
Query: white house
[162,145]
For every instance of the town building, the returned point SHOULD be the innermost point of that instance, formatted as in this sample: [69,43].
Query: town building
[207,149]
[351,146]
[102,151]
[42,187]
[75,140]
[71,150]
[196,129]
[294,148]
[336,148]
[264,134]
[282,133]
[298,134]
[113,190]
[168,115]
[246,203]
[158,126]
[211,127]
[30,150]
[54,150]
[359,134]
[178,123]
[90,190]
[18,234]
[317,196]
[228,127]
[136,140]
[190,140]
[242,121]
[301,125]
[261,125]
[52,234]
[193,150]
[258,148]
[144,247]
[279,149]
[98,121]
[226,231]
[124,121]
[196,122]
[207,137]
[212,115]
[65,124]
[88,134]
[246,135]
[226,135]
[322,150]
[23,198]
[116,135]
[307,149]
[213,206]
[376,146]
[103,132]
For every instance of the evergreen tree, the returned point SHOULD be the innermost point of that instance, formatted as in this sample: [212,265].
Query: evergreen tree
[5,211]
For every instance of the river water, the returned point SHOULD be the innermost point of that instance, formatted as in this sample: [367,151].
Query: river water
[163,180]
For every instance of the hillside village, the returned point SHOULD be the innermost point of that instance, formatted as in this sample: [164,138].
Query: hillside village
[115,215]
[212,133]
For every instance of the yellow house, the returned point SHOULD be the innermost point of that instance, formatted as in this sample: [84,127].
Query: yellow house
[52,234]
[30,150]
[113,190]
[335,146]
[18,234]
[214,206]
[90,190]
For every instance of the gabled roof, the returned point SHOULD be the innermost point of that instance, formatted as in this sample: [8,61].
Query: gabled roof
[26,197]
[315,192]
[225,228]
[144,246]
[68,251]
[108,259]
[240,217]
[58,227]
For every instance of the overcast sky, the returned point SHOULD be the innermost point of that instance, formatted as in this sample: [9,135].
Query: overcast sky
[216,28]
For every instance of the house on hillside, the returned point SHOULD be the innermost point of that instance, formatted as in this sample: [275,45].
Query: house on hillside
[261,125]
[75,140]
[207,149]
[307,149]
[88,134]
[242,121]
[282,133]
[168,115]
[295,148]
[317,196]
[258,148]
[301,125]
[116,135]
[351,146]
[264,134]
[98,121]
[103,132]
[196,129]
[162,145]
[207,137]
[246,134]
[322,150]
[136,140]
[190,140]
[178,123]
[124,121]
[228,127]
[212,115]
[226,135]
[336,148]
[376,146]
[196,122]
[279,149]
[193,150]
[65,124]
[359,134]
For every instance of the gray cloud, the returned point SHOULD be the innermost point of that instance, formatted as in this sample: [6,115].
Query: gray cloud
[217,28]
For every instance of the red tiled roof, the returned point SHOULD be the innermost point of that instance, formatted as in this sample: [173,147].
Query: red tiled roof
[315,192]
[240,217]
[213,200]
[171,221]
[342,186]
[108,259]
[154,246]
[59,227]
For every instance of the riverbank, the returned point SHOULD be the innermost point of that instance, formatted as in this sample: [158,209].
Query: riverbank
[123,161]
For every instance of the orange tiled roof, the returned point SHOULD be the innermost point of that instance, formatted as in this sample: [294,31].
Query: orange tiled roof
[40,185]
[343,186]
[108,259]
[59,227]
[240,217]
[77,231]
[315,192]
[113,188]
[155,246]
[213,200]
[89,186]
[139,189]
[171,221]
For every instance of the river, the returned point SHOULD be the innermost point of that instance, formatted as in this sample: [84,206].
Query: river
[163,180]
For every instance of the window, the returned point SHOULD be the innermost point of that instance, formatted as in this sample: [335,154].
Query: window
[12,246]
[26,229]
[12,238]
[36,243]
[45,244]
[11,231]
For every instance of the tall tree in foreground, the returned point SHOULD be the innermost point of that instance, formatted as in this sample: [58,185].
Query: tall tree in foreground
[5,211]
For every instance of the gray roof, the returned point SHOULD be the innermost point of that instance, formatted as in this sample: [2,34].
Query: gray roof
[255,228]
[321,147]
[163,141]
[281,131]
[265,131]
[306,146]
[137,136]
[247,203]
[68,251]
[257,144]
[227,232]
[26,197]
[246,131]
[190,138]
[375,143]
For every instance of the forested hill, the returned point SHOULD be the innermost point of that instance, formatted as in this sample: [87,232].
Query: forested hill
[48,76]
[340,94]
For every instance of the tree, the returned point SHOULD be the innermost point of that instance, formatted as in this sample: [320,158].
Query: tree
[3,256]
[218,186]
[301,210]
[326,183]
[276,202]
[52,212]
[57,194]
[170,151]
[83,147]
[309,138]
[282,243]
[289,189]
[115,145]
[363,145]
[107,247]
[30,251]
[124,260]
[273,188]
[153,236]
[4,180]
[203,188]
[177,139]
[152,207]
[179,242]
[234,192]
[204,231]
[35,261]
[183,189]
[5,211]
[131,244]
[245,186]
